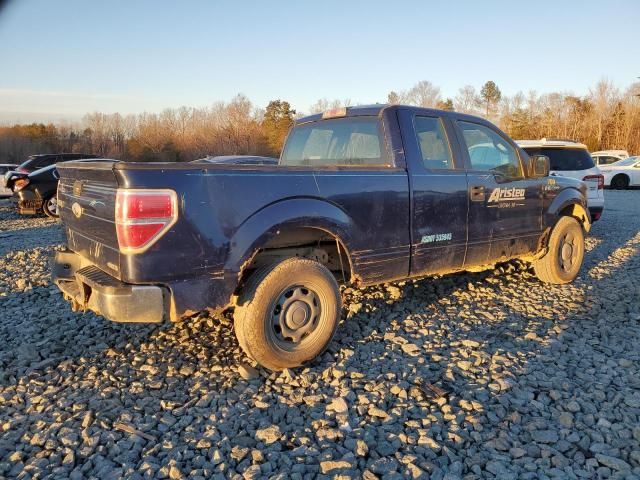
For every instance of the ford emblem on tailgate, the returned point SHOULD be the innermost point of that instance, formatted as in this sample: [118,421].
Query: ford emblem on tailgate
[76,209]
[77,188]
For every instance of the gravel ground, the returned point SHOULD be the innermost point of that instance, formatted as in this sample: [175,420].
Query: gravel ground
[486,375]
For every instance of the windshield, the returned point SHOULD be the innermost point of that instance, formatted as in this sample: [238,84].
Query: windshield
[627,162]
[564,159]
[352,141]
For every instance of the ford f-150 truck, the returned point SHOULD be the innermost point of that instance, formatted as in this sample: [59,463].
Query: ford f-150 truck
[361,195]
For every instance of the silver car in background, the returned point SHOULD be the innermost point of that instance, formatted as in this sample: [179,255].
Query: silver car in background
[4,168]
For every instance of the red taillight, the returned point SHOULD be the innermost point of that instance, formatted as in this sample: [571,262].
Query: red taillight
[20,184]
[595,178]
[143,216]
[22,170]
[140,205]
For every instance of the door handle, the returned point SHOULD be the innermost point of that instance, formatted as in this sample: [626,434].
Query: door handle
[477,193]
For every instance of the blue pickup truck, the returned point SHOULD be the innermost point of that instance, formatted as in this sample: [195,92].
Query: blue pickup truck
[360,195]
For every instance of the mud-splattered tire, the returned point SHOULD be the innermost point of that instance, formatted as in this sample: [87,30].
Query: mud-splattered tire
[50,206]
[563,259]
[288,313]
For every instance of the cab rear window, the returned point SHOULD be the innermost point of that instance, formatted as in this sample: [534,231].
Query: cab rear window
[565,159]
[351,142]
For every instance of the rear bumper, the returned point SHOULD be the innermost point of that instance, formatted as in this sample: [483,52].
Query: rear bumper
[28,202]
[87,287]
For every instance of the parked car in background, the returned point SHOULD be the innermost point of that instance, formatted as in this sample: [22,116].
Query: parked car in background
[606,157]
[571,159]
[36,162]
[361,195]
[239,160]
[622,174]
[36,192]
[4,168]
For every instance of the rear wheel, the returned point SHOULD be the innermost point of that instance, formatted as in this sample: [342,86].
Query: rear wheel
[50,206]
[620,182]
[288,313]
[563,259]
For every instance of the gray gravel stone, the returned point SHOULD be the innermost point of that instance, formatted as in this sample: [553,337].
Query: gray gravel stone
[612,462]
[384,466]
[269,434]
[247,372]
[545,436]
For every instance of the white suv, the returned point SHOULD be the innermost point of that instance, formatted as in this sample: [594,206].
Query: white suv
[571,159]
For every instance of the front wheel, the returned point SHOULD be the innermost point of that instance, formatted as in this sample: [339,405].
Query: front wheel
[287,313]
[563,259]
[50,206]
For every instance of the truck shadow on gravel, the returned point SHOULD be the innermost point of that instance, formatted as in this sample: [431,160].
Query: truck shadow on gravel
[467,373]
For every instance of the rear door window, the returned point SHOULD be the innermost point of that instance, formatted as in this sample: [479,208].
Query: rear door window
[564,159]
[433,143]
[603,160]
[351,142]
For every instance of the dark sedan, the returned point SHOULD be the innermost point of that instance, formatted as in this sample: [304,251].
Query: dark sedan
[37,162]
[36,192]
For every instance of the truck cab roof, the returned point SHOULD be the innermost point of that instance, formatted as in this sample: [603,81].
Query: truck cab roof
[378,108]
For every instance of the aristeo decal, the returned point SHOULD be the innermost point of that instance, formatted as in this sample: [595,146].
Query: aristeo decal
[506,197]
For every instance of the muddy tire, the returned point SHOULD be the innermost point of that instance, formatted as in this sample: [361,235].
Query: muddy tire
[288,313]
[563,259]
[50,206]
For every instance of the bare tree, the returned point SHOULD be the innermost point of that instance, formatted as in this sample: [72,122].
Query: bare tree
[322,105]
[467,100]
[423,94]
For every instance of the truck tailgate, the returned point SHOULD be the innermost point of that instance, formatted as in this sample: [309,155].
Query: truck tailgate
[86,203]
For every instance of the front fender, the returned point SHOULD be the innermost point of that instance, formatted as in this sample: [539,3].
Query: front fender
[268,222]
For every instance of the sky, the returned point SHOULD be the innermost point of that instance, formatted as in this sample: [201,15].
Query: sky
[62,59]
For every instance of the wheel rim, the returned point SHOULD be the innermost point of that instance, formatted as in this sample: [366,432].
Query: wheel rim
[568,252]
[52,205]
[295,315]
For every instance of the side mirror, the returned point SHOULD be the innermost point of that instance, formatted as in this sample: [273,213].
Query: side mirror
[538,166]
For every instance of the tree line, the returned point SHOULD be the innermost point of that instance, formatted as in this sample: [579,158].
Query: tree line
[605,118]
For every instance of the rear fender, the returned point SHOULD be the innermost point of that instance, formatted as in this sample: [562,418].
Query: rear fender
[568,202]
[267,223]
